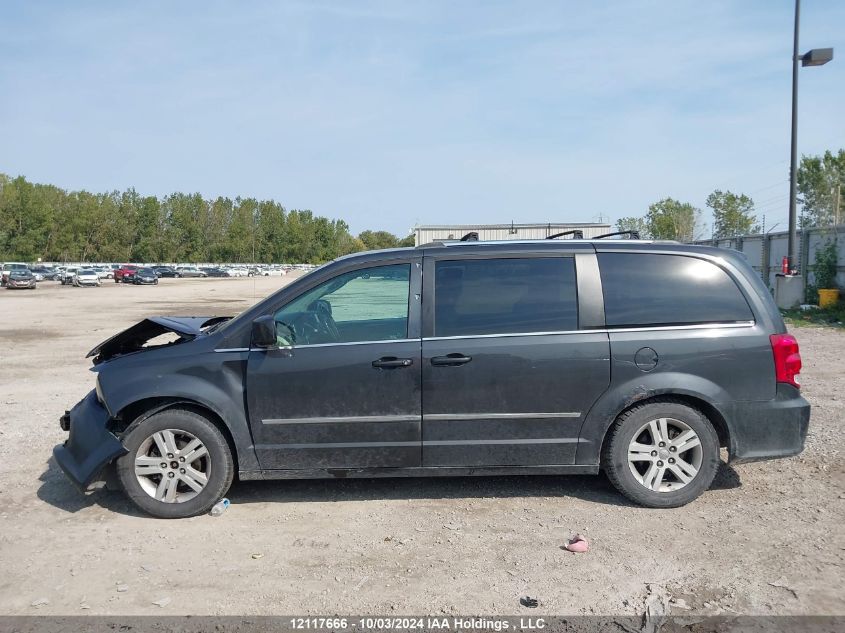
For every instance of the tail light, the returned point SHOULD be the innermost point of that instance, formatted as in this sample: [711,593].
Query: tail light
[787,358]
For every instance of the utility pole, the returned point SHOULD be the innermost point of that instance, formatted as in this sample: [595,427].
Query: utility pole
[814,57]
[793,155]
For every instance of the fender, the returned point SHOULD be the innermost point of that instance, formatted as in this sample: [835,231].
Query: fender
[614,401]
[220,390]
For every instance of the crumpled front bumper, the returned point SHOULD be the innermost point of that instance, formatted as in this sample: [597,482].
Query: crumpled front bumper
[90,445]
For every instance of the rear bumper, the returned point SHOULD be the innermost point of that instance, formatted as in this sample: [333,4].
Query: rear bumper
[90,445]
[769,430]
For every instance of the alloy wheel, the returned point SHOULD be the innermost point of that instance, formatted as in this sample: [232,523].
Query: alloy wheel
[172,466]
[665,455]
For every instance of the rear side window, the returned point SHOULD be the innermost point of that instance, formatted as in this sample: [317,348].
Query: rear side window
[645,290]
[502,296]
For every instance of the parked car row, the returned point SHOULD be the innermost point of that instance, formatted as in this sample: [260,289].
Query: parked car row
[93,274]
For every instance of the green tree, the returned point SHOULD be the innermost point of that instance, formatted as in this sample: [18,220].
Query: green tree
[732,214]
[669,219]
[634,224]
[375,240]
[821,187]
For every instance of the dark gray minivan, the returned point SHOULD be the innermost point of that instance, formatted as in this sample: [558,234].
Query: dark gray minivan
[638,358]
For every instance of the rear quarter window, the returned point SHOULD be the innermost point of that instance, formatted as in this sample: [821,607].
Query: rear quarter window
[643,289]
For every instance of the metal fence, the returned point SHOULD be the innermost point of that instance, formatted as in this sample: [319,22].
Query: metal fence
[766,252]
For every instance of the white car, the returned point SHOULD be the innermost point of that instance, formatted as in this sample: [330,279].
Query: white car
[103,272]
[238,271]
[67,275]
[86,277]
[273,272]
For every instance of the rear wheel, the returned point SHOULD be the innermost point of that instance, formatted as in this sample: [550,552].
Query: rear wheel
[178,464]
[662,454]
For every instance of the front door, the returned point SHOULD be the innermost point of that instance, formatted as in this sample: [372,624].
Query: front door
[507,374]
[343,389]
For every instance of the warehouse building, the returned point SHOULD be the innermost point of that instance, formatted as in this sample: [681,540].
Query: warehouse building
[434,232]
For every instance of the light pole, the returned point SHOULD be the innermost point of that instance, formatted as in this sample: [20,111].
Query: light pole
[814,57]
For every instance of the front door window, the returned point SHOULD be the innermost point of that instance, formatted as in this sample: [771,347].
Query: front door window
[364,305]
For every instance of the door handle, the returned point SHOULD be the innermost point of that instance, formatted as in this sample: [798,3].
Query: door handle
[390,362]
[450,360]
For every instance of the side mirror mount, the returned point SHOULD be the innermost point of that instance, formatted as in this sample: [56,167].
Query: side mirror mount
[264,332]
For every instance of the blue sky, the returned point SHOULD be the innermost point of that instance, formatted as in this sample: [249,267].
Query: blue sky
[388,114]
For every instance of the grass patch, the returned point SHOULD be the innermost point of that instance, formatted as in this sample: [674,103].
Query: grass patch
[831,317]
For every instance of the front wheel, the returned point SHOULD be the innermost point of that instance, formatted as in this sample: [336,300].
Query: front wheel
[662,454]
[178,464]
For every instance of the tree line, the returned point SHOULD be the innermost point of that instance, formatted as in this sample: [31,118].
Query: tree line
[821,180]
[47,222]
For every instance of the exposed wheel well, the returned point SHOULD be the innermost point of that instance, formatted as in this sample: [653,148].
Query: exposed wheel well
[712,414]
[137,409]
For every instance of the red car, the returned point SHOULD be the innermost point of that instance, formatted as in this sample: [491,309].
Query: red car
[126,273]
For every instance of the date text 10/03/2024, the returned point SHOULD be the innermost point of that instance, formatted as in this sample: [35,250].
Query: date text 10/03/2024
[418,624]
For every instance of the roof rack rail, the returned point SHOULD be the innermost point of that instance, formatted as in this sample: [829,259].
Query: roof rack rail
[634,235]
[472,236]
[577,234]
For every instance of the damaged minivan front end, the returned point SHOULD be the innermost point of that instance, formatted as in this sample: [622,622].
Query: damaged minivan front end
[138,337]
[93,429]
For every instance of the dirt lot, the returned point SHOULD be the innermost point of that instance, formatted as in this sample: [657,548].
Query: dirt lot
[767,539]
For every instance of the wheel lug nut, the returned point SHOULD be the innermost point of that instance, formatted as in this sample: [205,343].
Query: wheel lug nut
[170,455]
[662,444]
[671,460]
[182,470]
[653,454]
[659,463]
[181,459]
[171,474]
[163,465]
[673,449]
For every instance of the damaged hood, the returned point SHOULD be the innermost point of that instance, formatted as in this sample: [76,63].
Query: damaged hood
[135,338]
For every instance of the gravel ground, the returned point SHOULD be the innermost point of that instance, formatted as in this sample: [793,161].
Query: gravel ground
[766,539]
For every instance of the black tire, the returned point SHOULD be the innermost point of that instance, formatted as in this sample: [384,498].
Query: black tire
[615,453]
[219,454]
